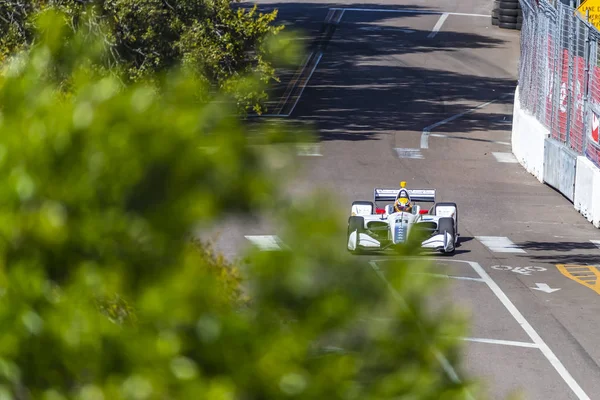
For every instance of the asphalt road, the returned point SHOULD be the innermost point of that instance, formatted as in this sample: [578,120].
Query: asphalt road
[388,72]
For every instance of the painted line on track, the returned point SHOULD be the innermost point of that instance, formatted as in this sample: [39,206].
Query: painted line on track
[309,149]
[438,25]
[265,242]
[500,244]
[505,157]
[427,130]
[516,314]
[441,135]
[291,87]
[502,342]
[532,333]
[409,153]
[409,11]
[305,83]
[588,276]
[462,278]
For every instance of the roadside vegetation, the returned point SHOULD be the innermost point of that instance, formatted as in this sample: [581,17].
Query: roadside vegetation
[107,171]
[218,40]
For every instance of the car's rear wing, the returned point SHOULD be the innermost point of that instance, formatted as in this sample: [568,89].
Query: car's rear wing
[422,195]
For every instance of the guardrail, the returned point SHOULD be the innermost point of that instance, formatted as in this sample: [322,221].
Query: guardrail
[559,74]
[557,104]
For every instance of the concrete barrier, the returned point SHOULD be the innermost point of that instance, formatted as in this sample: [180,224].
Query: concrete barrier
[587,190]
[528,136]
[560,164]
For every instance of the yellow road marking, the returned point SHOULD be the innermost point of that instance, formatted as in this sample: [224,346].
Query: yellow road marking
[591,278]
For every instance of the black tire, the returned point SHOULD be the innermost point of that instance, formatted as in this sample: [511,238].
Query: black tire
[519,20]
[508,5]
[365,203]
[510,13]
[518,27]
[508,19]
[446,224]
[355,224]
[495,21]
[507,25]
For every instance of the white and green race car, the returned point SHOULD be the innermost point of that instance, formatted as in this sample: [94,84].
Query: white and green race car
[374,229]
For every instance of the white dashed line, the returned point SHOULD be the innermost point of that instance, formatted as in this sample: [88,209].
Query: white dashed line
[306,83]
[265,242]
[309,149]
[503,342]
[505,157]
[438,25]
[406,11]
[409,153]
[500,244]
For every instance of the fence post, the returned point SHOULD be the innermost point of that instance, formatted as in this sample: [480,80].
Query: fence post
[586,83]
[570,76]
[558,66]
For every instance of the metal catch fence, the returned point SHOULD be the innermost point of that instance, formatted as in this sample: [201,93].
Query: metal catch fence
[559,74]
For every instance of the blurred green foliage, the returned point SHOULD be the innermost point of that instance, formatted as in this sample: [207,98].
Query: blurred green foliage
[103,294]
[216,39]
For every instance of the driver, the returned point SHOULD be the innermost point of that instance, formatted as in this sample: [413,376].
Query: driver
[402,203]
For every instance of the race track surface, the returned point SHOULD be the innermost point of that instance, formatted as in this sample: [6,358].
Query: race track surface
[391,71]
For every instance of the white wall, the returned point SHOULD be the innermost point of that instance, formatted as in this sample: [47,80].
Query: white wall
[587,190]
[528,136]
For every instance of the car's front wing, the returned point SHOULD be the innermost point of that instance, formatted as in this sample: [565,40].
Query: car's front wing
[441,242]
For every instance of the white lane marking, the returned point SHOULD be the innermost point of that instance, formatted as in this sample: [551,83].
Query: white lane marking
[441,135]
[464,278]
[410,11]
[427,130]
[265,242]
[291,90]
[386,29]
[305,83]
[309,149]
[330,15]
[502,342]
[505,157]
[438,26]
[499,244]
[448,368]
[339,19]
[596,242]
[409,153]
[550,356]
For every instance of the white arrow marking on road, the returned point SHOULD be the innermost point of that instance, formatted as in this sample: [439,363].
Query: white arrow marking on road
[544,288]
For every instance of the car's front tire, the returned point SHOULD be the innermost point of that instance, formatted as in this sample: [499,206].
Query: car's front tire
[355,224]
[446,225]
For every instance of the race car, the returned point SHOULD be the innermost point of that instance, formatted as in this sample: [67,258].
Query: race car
[374,229]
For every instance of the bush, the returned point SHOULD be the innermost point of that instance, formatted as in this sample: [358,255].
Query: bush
[105,297]
[216,39]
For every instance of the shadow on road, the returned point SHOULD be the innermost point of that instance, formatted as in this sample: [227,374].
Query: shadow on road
[570,252]
[369,83]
